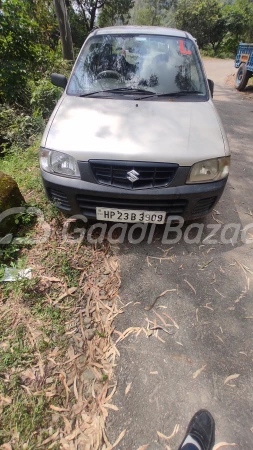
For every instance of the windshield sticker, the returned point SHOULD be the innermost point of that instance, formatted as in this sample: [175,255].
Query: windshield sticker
[182,48]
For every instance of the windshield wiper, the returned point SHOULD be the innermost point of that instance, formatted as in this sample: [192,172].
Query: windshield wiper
[179,93]
[122,90]
[171,94]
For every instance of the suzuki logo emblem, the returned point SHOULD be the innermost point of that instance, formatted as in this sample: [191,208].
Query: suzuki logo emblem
[133,176]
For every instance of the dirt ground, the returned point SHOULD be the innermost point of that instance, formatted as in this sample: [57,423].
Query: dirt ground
[206,361]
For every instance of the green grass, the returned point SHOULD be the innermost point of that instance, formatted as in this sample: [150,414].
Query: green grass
[250,82]
[33,321]
[210,53]
[23,166]
[26,415]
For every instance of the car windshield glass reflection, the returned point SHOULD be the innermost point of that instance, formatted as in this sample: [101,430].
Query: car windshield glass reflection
[112,65]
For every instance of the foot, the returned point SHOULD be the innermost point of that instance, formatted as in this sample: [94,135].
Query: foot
[201,431]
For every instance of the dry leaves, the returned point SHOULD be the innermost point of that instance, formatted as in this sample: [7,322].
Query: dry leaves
[244,268]
[122,434]
[69,291]
[231,377]
[161,435]
[6,447]
[110,406]
[148,308]
[128,388]
[6,400]
[87,374]
[57,408]
[50,439]
[78,381]
[198,372]
[191,286]
[62,377]
[127,333]
[222,444]
[174,432]
[172,320]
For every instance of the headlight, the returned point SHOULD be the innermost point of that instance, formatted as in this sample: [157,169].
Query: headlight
[58,163]
[209,170]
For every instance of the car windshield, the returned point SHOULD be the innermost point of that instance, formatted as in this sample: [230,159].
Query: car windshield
[138,65]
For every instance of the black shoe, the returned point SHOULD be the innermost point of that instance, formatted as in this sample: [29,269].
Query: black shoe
[202,430]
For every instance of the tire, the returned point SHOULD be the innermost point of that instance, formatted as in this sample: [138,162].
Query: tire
[242,77]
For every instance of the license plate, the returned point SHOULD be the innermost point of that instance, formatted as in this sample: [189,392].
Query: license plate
[130,216]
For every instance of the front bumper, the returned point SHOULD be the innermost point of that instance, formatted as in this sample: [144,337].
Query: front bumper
[75,196]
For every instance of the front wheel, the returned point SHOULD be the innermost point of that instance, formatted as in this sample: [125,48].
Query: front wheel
[242,77]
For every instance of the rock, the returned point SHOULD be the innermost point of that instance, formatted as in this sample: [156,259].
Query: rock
[87,375]
[90,334]
[80,344]
[49,380]
[82,360]
[86,320]
[55,418]
[10,197]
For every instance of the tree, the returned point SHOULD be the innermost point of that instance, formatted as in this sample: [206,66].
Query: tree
[144,16]
[149,12]
[22,45]
[65,32]
[203,19]
[107,12]
[115,11]
[43,13]
[239,20]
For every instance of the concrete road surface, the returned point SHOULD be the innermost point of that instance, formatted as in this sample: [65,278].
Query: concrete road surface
[174,375]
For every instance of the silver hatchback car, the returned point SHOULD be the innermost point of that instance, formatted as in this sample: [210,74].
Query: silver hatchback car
[135,136]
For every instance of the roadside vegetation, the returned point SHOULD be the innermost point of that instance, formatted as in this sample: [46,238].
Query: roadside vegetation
[56,349]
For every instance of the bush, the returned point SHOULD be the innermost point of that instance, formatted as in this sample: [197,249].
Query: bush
[222,52]
[20,126]
[208,52]
[17,128]
[44,97]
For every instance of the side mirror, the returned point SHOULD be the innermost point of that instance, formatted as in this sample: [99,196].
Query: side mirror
[59,80]
[211,86]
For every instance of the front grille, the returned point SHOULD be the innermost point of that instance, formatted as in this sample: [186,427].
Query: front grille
[203,206]
[150,175]
[89,203]
[60,199]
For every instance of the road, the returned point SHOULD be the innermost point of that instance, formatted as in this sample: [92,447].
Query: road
[211,299]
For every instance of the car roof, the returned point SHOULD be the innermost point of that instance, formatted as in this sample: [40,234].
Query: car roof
[134,29]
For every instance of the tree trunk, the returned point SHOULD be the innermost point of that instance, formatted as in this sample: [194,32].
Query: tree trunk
[65,32]
[92,18]
[93,15]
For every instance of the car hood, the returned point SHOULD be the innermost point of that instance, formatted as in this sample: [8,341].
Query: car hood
[182,132]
